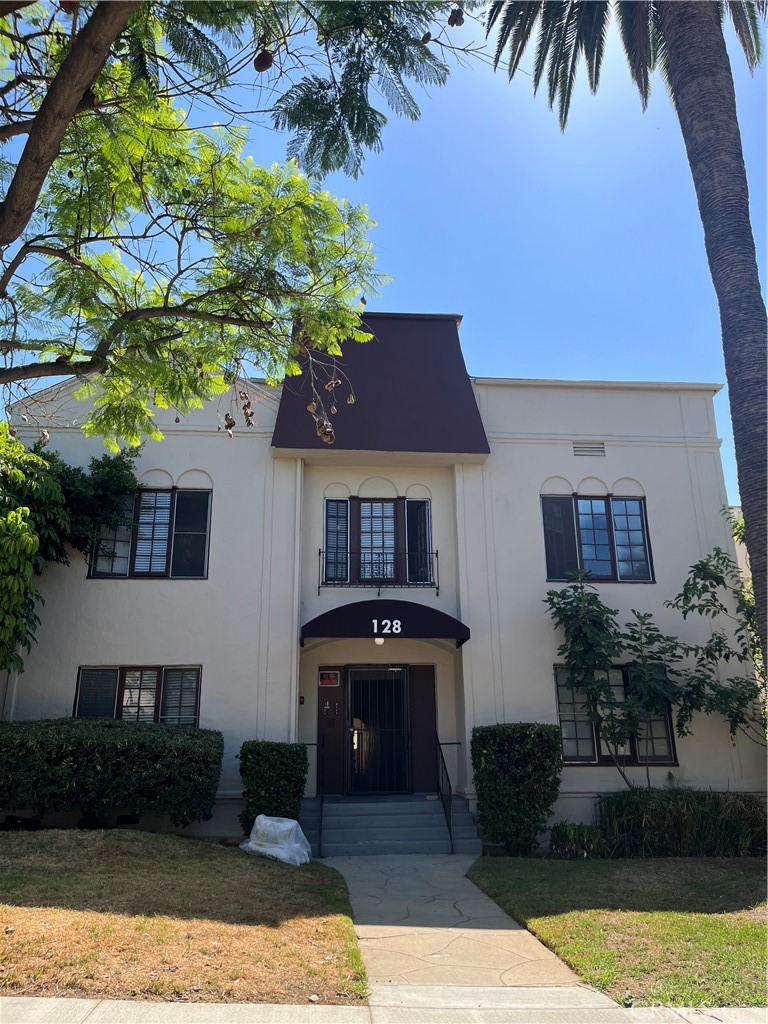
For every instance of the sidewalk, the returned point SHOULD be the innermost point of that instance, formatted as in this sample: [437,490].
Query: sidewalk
[440,1005]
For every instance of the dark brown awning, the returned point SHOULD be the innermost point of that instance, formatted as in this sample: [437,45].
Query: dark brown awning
[392,620]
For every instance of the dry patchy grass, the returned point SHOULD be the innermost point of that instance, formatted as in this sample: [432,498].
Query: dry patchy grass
[682,932]
[125,914]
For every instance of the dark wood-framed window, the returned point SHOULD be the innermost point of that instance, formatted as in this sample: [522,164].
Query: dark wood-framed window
[582,744]
[377,541]
[169,538]
[169,695]
[606,535]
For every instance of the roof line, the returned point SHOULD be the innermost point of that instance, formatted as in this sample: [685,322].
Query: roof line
[622,385]
[458,317]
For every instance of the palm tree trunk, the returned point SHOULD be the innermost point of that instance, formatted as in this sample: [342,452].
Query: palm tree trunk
[704,98]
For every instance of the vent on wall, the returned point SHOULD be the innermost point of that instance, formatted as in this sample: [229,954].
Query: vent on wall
[589,447]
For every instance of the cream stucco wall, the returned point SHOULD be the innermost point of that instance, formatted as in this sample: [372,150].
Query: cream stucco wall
[242,623]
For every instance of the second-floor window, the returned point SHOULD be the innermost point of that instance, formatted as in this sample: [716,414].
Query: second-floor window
[169,538]
[606,535]
[377,541]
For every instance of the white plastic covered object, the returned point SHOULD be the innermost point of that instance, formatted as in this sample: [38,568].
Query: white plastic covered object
[280,838]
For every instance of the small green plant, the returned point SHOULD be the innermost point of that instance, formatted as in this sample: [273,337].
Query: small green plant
[98,766]
[682,822]
[517,769]
[274,776]
[569,841]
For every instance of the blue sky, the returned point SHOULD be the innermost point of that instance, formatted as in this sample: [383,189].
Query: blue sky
[573,255]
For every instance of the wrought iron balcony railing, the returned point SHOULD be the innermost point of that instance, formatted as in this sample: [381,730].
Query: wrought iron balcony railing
[377,569]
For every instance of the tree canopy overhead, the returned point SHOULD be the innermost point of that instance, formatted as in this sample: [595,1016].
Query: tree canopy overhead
[139,248]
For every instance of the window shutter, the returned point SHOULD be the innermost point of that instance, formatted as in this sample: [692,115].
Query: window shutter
[336,540]
[377,540]
[417,540]
[179,699]
[139,695]
[559,536]
[97,693]
[190,534]
[154,521]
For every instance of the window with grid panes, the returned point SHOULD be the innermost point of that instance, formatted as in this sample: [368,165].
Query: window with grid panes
[581,739]
[377,541]
[167,695]
[169,538]
[606,536]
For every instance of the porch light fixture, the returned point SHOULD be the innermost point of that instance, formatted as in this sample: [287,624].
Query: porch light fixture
[378,640]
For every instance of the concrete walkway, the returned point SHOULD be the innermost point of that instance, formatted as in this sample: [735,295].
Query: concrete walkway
[420,921]
[525,1009]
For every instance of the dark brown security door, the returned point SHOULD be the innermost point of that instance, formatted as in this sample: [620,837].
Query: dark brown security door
[378,730]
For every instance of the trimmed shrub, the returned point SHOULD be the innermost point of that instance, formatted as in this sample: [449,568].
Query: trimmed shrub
[97,766]
[682,823]
[517,770]
[274,776]
[568,841]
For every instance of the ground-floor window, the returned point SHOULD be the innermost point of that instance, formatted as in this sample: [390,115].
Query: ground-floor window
[582,744]
[166,694]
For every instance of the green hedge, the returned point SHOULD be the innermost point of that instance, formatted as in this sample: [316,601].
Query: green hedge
[568,841]
[682,823]
[517,770]
[274,776]
[98,766]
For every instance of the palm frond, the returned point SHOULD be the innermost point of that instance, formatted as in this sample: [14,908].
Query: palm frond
[745,15]
[659,54]
[552,15]
[566,30]
[594,29]
[518,20]
[563,60]
[635,26]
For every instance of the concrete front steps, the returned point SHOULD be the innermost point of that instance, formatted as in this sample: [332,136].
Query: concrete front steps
[369,825]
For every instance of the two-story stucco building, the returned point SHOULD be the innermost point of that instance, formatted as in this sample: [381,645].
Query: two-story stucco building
[369,596]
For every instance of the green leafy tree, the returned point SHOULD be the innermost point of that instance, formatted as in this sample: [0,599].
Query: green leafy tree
[716,589]
[664,671]
[685,42]
[139,249]
[47,508]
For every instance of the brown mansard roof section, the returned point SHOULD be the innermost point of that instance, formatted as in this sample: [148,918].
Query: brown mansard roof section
[412,391]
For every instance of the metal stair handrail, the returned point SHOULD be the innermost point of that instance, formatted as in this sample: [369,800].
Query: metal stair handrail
[444,789]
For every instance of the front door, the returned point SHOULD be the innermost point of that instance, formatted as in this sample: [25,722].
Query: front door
[379,756]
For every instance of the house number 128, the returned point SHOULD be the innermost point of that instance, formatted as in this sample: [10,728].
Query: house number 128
[387,626]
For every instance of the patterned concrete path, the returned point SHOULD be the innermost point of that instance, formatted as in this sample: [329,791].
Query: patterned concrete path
[420,921]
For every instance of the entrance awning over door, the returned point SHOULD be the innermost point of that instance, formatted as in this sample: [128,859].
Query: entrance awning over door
[395,620]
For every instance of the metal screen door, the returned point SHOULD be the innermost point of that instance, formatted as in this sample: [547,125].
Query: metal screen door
[378,730]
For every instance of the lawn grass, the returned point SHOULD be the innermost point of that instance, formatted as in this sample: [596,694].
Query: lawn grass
[681,932]
[125,914]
